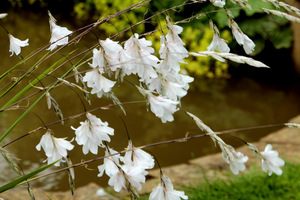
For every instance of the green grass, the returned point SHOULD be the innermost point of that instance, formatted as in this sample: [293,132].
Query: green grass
[255,185]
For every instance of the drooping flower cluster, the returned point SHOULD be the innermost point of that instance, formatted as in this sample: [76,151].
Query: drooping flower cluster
[129,175]
[164,85]
[91,134]
[144,63]
[105,60]
[55,148]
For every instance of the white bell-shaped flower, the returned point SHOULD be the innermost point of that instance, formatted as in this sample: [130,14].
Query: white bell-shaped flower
[235,159]
[98,59]
[218,44]
[173,54]
[144,62]
[218,3]
[55,148]
[165,191]
[92,133]
[271,162]
[138,157]
[59,35]
[99,84]
[111,163]
[16,44]
[242,39]
[162,107]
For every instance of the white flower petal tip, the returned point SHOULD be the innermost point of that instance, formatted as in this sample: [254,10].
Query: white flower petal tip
[271,162]
[101,192]
[218,3]
[3,15]
[16,44]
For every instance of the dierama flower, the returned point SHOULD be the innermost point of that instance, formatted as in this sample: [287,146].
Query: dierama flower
[162,107]
[241,38]
[235,159]
[218,3]
[140,51]
[138,157]
[59,35]
[55,148]
[270,161]
[92,133]
[111,163]
[165,191]
[99,84]
[16,44]
[219,44]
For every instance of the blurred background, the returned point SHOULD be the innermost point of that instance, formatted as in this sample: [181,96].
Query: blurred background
[224,95]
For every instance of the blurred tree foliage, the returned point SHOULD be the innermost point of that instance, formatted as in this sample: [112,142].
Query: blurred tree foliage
[257,25]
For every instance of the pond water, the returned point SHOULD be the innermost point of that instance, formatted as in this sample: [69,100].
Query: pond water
[236,103]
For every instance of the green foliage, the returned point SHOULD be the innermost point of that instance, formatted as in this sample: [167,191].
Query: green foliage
[259,26]
[100,9]
[272,28]
[252,186]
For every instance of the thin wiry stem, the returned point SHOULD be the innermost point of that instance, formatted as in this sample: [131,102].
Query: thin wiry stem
[185,139]
[68,118]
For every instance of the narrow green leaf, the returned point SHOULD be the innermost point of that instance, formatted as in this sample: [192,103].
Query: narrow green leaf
[27,111]
[16,82]
[21,179]
[26,88]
